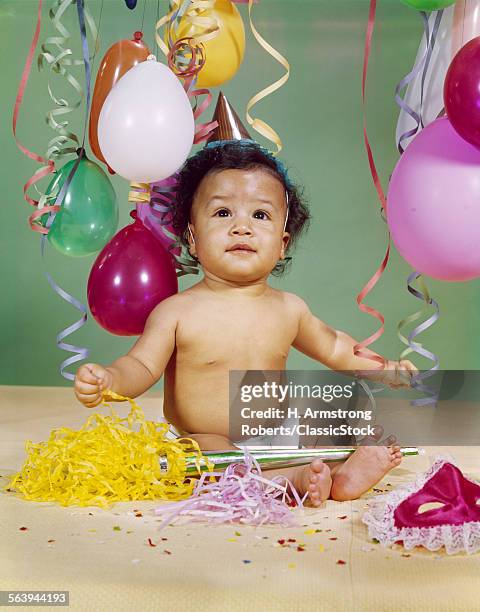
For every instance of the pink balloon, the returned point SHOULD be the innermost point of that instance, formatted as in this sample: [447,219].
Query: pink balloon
[461,92]
[129,278]
[153,219]
[433,206]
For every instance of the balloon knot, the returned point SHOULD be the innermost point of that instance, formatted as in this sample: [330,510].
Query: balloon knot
[138,35]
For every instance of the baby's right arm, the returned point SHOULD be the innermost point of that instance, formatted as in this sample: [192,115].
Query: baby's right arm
[134,373]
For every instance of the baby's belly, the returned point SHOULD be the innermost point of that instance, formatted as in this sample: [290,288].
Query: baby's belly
[197,400]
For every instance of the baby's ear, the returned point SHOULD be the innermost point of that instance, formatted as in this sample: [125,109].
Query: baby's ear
[190,240]
[285,241]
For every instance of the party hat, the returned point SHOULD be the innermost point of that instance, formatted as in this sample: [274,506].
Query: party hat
[229,126]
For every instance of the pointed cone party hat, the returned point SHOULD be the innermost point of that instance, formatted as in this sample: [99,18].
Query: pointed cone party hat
[229,126]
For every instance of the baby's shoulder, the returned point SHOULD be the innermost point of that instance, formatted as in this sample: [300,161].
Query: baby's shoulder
[293,302]
[170,307]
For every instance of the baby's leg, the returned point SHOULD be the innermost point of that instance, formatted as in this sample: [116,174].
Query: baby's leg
[364,468]
[314,478]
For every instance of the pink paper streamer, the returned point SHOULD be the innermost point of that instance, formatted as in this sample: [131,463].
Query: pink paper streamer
[241,495]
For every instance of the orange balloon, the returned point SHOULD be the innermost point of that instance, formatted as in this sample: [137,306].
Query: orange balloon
[121,56]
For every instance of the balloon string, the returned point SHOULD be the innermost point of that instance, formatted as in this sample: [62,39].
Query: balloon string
[258,124]
[358,349]
[412,346]
[431,395]
[424,61]
[430,47]
[80,353]
[49,165]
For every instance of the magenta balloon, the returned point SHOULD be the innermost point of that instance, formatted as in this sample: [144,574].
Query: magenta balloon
[461,92]
[129,278]
[433,205]
[151,219]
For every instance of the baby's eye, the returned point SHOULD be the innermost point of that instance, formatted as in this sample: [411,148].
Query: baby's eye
[222,212]
[260,214]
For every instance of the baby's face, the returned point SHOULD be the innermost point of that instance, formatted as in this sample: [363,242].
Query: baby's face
[237,221]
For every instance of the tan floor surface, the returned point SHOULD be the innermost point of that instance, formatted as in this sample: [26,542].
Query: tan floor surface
[202,567]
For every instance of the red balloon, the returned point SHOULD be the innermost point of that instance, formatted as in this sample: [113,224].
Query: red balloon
[461,92]
[129,278]
[121,56]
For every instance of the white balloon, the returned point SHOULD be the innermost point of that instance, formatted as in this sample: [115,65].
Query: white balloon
[146,125]
[460,23]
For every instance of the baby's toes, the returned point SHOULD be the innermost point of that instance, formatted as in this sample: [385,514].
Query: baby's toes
[314,495]
[317,466]
[313,480]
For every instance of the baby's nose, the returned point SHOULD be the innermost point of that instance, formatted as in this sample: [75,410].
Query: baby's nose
[241,229]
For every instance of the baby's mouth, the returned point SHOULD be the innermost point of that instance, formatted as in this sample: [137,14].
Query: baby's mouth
[241,248]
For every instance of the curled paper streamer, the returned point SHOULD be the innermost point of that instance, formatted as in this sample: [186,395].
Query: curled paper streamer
[358,349]
[110,459]
[258,124]
[49,166]
[423,294]
[186,58]
[193,11]
[424,61]
[79,353]
[57,56]
[431,396]
[241,495]
[59,61]
[162,200]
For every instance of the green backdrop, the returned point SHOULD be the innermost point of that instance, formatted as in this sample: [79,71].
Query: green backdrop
[319,117]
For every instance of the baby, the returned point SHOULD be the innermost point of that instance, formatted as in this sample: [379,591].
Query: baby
[238,213]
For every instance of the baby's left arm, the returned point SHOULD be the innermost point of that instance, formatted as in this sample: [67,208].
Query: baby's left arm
[334,349]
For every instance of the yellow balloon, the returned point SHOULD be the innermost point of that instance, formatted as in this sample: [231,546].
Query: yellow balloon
[225,52]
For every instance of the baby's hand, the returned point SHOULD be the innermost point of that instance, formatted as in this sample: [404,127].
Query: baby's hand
[90,382]
[398,374]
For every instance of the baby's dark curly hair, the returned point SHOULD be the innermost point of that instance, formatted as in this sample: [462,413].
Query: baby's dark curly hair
[237,155]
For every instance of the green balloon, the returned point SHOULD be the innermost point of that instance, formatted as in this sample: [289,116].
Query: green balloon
[88,218]
[428,5]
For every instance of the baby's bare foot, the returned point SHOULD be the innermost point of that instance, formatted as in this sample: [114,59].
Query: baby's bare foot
[364,468]
[314,479]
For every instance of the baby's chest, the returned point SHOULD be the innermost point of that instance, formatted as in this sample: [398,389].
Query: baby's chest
[219,334]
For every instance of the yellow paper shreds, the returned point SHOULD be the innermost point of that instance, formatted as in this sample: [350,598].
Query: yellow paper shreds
[109,459]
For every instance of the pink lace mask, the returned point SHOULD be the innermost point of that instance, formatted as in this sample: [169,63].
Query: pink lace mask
[403,516]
